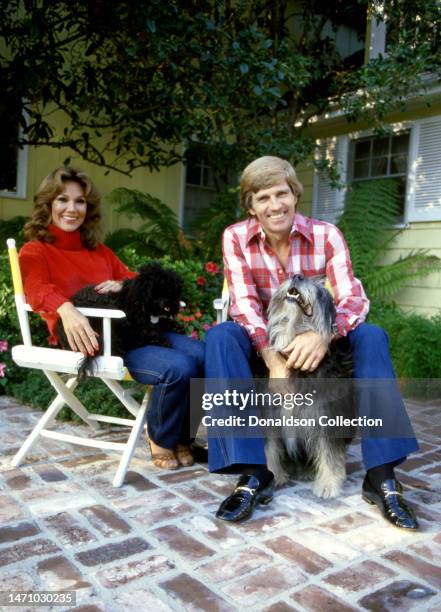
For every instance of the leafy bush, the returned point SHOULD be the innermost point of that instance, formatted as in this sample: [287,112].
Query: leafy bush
[159,233]
[415,344]
[202,283]
[211,223]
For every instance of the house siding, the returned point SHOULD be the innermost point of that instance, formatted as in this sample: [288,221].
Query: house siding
[422,296]
[165,184]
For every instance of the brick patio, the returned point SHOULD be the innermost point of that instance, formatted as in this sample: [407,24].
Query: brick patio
[154,543]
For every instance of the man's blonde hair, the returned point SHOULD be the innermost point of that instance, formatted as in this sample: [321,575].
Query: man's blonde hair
[265,172]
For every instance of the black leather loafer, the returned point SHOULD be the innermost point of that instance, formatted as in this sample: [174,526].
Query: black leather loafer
[240,504]
[391,503]
[199,452]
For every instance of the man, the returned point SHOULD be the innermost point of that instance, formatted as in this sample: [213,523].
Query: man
[272,244]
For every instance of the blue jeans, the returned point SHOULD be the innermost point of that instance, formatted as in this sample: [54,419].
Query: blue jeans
[170,371]
[229,349]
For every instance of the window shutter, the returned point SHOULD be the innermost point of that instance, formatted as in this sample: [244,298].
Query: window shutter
[424,189]
[328,203]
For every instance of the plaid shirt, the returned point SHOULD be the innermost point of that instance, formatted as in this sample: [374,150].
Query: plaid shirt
[254,272]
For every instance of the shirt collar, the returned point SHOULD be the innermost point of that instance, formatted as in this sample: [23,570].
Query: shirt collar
[301,225]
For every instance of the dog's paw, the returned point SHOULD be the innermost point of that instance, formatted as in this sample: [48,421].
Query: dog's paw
[330,487]
[281,479]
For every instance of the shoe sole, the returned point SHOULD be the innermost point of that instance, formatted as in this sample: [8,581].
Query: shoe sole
[265,500]
[368,500]
[371,502]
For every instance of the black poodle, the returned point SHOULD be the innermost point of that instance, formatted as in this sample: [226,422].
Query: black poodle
[150,301]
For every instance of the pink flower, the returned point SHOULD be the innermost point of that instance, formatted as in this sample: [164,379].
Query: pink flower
[2,370]
[206,327]
[3,346]
[201,281]
[211,267]
[194,334]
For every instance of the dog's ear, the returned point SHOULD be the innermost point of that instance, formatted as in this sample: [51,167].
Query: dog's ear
[326,302]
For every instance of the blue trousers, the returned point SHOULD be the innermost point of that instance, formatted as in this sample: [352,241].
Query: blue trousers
[169,370]
[229,350]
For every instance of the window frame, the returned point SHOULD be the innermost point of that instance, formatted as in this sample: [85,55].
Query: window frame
[397,128]
[22,173]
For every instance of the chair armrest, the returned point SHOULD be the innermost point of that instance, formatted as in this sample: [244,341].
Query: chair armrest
[104,313]
[107,313]
[221,304]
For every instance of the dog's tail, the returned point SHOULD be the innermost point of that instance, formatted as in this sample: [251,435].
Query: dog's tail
[86,367]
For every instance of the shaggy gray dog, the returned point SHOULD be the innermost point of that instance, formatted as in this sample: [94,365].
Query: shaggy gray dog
[300,305]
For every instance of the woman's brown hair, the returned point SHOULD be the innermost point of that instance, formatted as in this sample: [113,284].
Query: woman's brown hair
[50,188]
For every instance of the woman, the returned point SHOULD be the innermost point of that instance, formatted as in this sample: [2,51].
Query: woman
[64,254]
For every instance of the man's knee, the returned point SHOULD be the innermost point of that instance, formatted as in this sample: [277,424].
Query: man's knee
[224,333]
[369,333]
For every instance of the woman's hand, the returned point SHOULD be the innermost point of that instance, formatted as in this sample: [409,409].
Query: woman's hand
[108,286]
[79,333]
[306,351]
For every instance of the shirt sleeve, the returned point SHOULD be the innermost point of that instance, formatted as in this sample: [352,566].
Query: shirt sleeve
[246,306]
[41,293]
[119,270]
[350,299]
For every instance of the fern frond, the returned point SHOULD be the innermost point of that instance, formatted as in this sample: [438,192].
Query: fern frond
[383,281]
[367,223]
[212,222]
[160,230]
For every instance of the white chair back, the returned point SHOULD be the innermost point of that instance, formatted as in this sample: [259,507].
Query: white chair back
[20,300]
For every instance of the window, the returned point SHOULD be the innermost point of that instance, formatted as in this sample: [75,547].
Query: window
[12,160]
[411,156]
[201,187]
[381,157]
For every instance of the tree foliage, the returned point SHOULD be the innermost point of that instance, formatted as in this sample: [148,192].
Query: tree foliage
[138,79]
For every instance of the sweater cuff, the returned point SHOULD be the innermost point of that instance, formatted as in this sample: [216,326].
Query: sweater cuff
[53,301]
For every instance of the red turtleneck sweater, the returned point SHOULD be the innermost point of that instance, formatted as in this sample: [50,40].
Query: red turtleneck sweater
[52,272]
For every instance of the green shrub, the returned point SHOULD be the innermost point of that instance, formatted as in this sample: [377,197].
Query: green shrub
[415,344]
[202,284]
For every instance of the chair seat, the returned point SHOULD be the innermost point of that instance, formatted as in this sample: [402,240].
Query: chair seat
[66,361]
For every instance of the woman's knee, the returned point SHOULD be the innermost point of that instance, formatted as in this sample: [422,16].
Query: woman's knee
[182,368]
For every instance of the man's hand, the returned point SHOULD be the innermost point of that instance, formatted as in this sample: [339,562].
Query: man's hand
[275,363]
[108,286]
[79,333]
[306,351]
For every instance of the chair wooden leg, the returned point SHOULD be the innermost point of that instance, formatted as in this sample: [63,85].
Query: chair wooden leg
[131,442]
[70,399]
[124,397]
[51,412]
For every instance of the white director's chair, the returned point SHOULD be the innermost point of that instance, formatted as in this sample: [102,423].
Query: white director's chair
[222,304]
[53,362]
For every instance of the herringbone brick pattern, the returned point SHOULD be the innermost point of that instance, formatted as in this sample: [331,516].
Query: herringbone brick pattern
[155,544]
